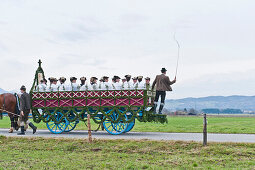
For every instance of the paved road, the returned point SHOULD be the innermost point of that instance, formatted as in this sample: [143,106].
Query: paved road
[249,138]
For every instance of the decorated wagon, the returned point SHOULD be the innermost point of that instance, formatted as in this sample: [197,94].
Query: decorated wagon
[115,110]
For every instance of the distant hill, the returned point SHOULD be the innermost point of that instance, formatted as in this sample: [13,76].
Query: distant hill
[4,91]
[220,102]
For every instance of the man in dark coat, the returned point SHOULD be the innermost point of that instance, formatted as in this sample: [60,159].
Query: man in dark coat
[25,106]
[163,84]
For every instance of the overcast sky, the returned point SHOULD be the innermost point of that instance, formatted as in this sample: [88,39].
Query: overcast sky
[118,37]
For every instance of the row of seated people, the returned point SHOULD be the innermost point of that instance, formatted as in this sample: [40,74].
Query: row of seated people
[104,84]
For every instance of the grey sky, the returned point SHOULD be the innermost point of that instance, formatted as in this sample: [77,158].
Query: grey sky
[108,37]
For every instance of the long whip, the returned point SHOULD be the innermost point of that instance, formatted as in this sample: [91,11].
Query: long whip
[177,63]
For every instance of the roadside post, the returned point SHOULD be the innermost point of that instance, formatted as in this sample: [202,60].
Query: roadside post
[89,129]
[205,131]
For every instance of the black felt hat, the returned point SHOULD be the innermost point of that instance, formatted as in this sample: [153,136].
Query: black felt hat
[83,78]
[51,79]
[73,78]
[127,76]
[163,70]
[23,88]
[116,77]
[62,79]
[105,77]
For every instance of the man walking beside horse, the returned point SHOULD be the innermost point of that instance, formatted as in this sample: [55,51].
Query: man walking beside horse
[25,106]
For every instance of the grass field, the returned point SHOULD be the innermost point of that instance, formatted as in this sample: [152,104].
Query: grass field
[40,153]
[180,124]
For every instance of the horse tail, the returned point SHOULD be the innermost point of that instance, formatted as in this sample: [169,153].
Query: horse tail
[17,106]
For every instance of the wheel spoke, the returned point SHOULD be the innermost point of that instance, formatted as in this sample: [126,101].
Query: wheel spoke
[53,126]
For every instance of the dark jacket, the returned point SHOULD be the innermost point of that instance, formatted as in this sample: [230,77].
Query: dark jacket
[162,83]
[25,102]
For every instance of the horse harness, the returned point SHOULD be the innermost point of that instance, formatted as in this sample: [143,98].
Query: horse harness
[3,109]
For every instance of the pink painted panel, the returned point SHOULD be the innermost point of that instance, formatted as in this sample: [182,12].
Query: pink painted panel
[125,93]
[118,93]
[93,93]
[51,103]
[139,93]
[79,102]
[65,94]
[65,102]
[122,102]
[107,102]
[132,93]
[38,103]
[93,102]
[51,95]
[107,93]
[79,94]
[37,95]
[136,101]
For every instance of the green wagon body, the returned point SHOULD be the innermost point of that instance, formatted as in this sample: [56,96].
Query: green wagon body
[116,110]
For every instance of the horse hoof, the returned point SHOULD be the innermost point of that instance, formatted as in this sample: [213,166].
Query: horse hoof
[11,130]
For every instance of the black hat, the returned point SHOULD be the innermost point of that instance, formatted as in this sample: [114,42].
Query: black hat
[94,78]
[134,78]
[105,77]
[83,79]
[147,78]
[51,79]
[163,70]
[116,77]
[127,76]
[62,79]
[23,88]
[73,78]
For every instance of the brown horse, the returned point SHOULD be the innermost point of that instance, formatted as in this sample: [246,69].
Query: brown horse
[8,102]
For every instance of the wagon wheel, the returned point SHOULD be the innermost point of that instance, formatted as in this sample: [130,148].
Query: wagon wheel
[130,126]
[115,128]
[57,128]
[71,125]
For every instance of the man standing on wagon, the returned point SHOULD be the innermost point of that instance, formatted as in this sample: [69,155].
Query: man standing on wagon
[25,106]
[163,84]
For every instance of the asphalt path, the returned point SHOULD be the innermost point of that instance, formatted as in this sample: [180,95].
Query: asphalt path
[198,137]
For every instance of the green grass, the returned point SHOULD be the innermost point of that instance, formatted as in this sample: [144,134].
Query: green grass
[180,124]
[41,153]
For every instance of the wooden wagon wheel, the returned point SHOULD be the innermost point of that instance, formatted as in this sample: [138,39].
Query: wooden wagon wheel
[115,128]
[57,127]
